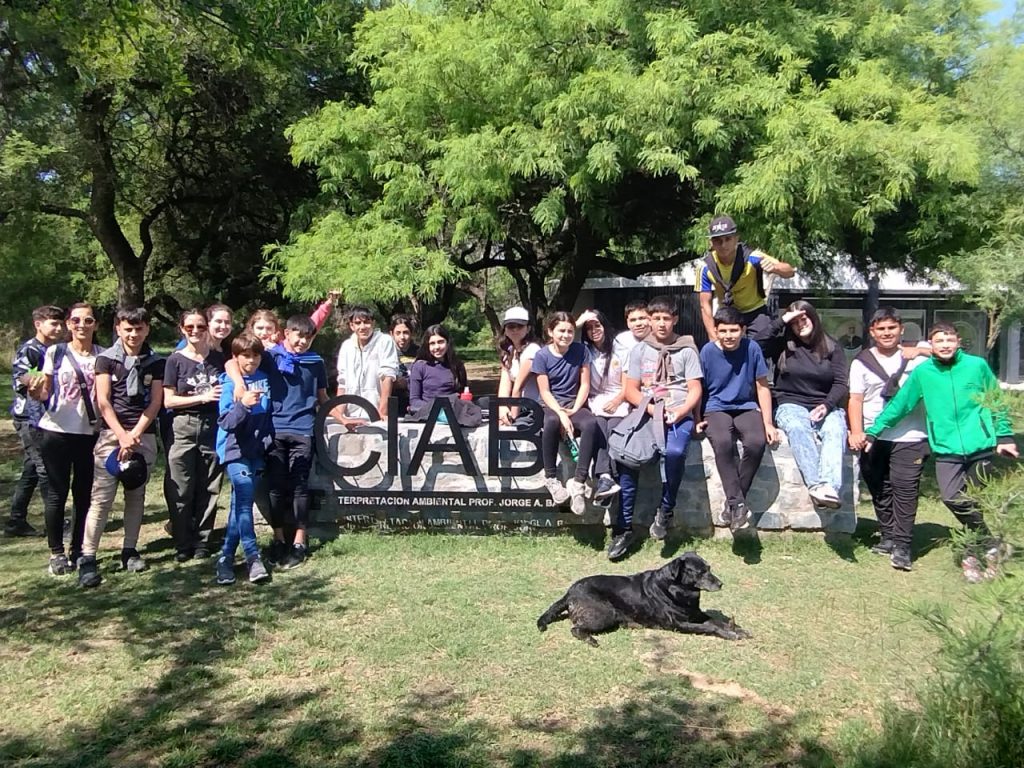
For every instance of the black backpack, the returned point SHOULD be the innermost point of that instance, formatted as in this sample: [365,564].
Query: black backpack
[892,383]
[738,265]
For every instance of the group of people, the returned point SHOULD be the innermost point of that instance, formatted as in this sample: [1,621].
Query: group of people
[243,406]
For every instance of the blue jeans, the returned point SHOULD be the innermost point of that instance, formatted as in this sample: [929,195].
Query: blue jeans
[240,523]
[817,448]
[677,440]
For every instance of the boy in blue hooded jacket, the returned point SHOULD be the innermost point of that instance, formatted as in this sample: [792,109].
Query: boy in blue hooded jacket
[244,434]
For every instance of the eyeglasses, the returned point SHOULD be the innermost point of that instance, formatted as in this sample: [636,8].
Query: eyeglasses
[515,326]
[86,321]
[194,328]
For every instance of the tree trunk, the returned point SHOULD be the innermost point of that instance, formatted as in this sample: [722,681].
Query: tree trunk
[102,216]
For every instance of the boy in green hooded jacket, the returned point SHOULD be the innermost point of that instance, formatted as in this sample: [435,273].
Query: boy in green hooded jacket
[965,423]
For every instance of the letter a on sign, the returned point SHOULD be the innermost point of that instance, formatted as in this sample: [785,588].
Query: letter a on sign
[458,444]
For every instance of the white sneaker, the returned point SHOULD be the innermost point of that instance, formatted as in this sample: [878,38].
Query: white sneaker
[819,494]
[576,491]
[558,493]
[832,500]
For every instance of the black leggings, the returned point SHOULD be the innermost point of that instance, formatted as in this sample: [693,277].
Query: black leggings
[288,464]
[586,433]
[724,427]
[64,454]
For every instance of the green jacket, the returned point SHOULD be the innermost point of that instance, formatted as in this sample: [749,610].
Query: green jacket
[964,409]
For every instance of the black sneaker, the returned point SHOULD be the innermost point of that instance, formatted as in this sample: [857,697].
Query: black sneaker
[739,514]
[726,514]
[225,571]
[88,572]
[620,544]
[276,552]
[183,555]
[900,558]
[132,562]
[661,524]
[202,552]
[20,528]
[296,556]
[883,547]
[59,565]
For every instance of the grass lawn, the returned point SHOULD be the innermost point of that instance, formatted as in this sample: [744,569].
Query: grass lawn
[421,650]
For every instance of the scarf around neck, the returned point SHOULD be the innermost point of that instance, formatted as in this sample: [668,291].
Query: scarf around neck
[663,373]
[286,360]
[132,365]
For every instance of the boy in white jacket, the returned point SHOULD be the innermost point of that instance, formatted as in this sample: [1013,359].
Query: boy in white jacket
[367,366]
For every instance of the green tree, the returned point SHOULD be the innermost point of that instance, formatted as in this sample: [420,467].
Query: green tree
[157,128]
[553,138]
[993,102]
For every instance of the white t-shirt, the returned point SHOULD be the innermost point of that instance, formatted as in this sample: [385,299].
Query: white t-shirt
[66,412]
[603,389]
[623,345]
[864,382]
[530,388]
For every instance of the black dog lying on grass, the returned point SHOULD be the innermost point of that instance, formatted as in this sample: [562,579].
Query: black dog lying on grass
[666,598]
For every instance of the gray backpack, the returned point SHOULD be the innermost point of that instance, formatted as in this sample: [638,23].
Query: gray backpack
[639,438]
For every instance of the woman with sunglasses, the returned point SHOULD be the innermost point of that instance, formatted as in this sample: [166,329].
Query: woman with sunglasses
[67,383]
[192,481]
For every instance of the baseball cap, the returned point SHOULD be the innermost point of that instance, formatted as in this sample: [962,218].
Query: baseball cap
[132,472]
[722,226]
[516,315]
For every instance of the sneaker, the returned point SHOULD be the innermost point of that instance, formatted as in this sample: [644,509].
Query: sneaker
[296,556]
[257,571]
[726,514]
[59,565]
[202,552]
[662,522]
[620,544]
[606,487]
[21,528]
[883,547]
[276,552]
[88,572]
[740,513]
[832,500]
[972,569]
[132,562]
[558,493]
[183,555]
[900,558]
[225,571]
[577,503]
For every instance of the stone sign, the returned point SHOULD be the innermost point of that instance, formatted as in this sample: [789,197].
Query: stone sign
[400,475]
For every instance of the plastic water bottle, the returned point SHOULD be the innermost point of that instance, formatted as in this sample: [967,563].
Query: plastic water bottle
[574,447]
[466,394]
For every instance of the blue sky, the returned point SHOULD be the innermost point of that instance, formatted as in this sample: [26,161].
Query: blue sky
[1004,11]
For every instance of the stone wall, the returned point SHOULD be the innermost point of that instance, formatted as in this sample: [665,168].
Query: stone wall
[445,494]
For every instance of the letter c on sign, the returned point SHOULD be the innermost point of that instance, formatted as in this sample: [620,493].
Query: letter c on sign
[320,436]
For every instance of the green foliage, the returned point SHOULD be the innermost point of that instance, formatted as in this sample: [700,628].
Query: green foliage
[600,135]
[159,127]
[993,101]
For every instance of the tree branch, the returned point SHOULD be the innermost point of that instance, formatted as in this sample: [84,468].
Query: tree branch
[62,210]
[633,271]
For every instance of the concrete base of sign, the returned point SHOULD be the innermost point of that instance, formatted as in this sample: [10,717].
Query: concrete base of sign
[443,493]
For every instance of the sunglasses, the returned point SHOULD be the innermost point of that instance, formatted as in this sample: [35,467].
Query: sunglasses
[87,321]
[515,326]
[194,328]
